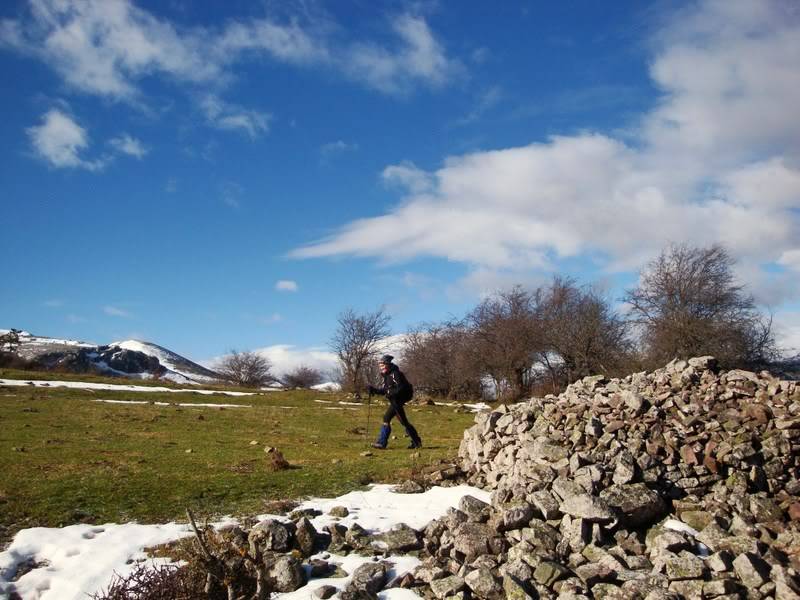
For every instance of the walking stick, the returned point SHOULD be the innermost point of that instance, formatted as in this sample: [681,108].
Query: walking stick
[369,411]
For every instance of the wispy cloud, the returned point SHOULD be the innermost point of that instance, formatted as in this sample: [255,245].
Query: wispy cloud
[231,117]
[286,285]
[115,311]
[60,141]
[126,144]
[106,48]
[53,303]
[684,174]
[231,193]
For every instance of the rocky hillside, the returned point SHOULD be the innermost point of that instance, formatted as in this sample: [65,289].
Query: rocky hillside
[130,358]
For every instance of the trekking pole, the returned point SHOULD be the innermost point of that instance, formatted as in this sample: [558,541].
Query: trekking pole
[369,411]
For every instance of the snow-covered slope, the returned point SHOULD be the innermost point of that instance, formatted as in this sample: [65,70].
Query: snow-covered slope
[179,369]
[129,358]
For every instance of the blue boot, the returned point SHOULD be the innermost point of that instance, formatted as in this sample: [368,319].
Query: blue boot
[383,437]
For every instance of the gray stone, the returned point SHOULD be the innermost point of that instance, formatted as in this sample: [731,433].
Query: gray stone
[548,572]
[339,511]
[636,504]
[590,508]
[625,469]
[305,537]
[472,540]
[270,536]
[483,583]
[513,589]
[751,569]
[516,516]
[287,574]
[369,577]
[684,566]
[400,538]
[546,503]
[324,591]
[448,586]
[476,510]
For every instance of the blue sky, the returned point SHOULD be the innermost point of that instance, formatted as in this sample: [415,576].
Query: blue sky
[212,176]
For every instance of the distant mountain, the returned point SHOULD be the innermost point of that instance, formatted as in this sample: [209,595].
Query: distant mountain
[129,358]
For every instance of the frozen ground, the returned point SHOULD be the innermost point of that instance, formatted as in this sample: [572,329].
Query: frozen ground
[71,562]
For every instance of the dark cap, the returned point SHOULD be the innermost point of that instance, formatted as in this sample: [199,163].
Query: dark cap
[386,359]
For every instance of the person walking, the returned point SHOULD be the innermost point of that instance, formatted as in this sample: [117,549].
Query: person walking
[398,391]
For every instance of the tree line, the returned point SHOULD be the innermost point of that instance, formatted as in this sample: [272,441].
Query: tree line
[686,303]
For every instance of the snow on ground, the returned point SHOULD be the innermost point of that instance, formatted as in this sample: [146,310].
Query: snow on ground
[84,385]
[79,560]
[475,408]
[186,404]
[329,386]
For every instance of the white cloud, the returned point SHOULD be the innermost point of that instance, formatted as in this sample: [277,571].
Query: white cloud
[791,258]
[420,58]
[171,186]
[286,285]
[408,176]
[103,46]
[786,326]
[230,117]
[714,161]
[114,311]
[54,303]
[125,144]
[59,140]
[106,47]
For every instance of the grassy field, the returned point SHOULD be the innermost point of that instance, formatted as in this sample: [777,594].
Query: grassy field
[65,458]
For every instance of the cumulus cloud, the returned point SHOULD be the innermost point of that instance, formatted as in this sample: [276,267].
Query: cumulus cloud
[125,144]
[716,160]
[286,285]
[106,47]
[59,140]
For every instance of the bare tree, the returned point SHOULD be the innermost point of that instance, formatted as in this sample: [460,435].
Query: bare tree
[356,341]
[584,334]
[302,377]
[247,369]
[440,361]
[688,303]
[508,336]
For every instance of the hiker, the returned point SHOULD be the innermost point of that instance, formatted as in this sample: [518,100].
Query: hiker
[398,391]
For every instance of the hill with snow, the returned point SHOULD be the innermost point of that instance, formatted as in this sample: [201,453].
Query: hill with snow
[128,358]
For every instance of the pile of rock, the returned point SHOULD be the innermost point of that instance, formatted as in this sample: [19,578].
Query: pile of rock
[683,481]
[680,483]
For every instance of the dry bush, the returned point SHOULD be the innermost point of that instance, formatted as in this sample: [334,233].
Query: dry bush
[160,582]
[247,369]
[302,377]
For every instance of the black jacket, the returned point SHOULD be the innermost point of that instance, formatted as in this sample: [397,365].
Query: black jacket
[395,386]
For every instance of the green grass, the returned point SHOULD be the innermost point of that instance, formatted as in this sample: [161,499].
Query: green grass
[65,459]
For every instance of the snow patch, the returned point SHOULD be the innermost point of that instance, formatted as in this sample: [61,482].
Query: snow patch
[81,559]
[85,385]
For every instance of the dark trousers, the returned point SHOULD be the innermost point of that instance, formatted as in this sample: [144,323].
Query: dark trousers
[396,410]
